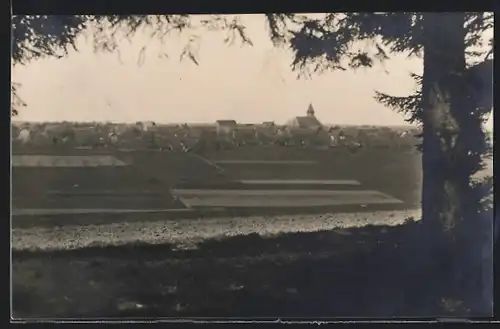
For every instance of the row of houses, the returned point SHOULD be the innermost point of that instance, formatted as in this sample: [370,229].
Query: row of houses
[299,131]
[308,122]
[308,130]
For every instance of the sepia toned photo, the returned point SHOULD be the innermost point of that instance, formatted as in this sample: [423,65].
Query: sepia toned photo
[307,165]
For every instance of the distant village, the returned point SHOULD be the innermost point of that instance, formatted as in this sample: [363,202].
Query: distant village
[300,131]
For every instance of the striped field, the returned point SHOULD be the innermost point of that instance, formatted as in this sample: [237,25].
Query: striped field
[280,198]
[300,181]
[265,162]
[152,184]
[65,161]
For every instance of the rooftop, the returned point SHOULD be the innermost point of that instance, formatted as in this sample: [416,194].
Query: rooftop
[307,122]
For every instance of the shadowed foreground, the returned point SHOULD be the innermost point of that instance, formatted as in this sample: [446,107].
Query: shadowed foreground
[340,273]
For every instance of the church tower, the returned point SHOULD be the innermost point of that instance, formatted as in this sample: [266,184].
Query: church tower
[310,111]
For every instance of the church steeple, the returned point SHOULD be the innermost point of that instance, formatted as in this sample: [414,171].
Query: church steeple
[310,111]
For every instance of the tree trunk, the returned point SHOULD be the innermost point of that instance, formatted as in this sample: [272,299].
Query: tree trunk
[449,208]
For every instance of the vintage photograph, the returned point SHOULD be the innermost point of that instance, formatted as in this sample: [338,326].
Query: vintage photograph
[252,166]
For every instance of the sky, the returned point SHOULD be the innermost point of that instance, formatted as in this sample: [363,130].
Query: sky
[246,83]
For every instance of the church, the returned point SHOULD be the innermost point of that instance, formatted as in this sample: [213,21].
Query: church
[306,122]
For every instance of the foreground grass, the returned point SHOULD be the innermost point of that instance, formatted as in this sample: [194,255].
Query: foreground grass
[345,272]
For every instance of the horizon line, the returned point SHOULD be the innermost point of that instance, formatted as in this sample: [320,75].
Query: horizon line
[199,123]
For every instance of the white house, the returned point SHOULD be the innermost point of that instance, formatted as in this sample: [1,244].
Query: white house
[24,135]
[225,127]
[148,126]
[113,137]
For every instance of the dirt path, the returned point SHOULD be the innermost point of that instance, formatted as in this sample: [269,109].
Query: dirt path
[189,232]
